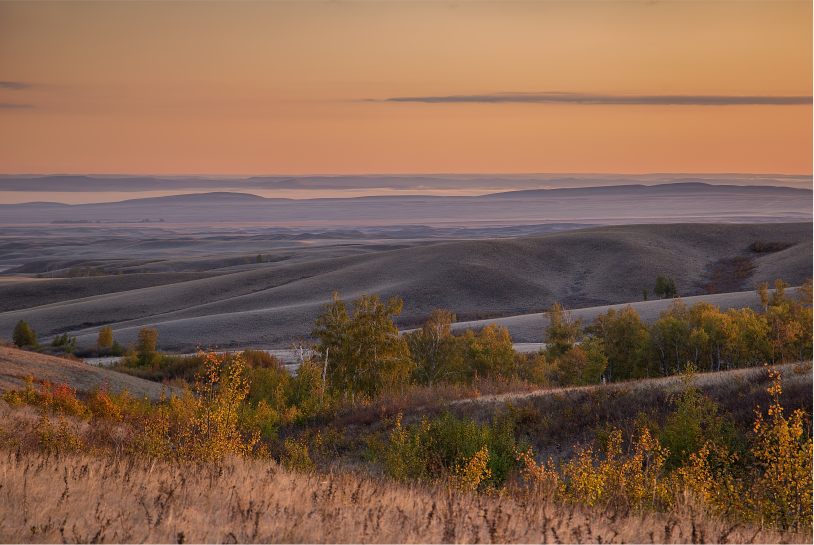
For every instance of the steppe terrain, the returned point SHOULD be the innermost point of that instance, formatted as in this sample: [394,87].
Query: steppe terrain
[269,304]
[15,365]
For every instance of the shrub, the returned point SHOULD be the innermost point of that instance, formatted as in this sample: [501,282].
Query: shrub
[260,359]
[783,451]
[296,455]
[146,347]
[765,247]
[449,448]
[616,480]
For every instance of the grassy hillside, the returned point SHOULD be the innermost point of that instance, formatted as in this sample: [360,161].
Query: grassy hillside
[266,306]
[337,480]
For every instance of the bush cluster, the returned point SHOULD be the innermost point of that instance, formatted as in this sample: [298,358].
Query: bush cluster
[764,475]
[619,346]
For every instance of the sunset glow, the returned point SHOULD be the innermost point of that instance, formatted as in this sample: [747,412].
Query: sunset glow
[307,87]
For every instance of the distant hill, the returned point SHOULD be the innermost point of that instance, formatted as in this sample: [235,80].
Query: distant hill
[684,202]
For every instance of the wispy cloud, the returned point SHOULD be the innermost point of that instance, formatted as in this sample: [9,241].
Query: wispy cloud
[14,85]
[581,98]
[7,105]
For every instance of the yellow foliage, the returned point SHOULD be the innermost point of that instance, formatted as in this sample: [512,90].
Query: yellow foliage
[470,475]
[784,456]
[297,457]
[780,485]
[634,480]
[210,421]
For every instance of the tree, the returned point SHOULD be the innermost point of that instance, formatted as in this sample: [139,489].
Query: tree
[23,335]
[259,258]
[105,338]
[670,336]
[489,353]
[665,287]
[146,344]
[562,332]
[747,337]
[363,354]
[584,364]
[434,351]
[709,319]
[625,341]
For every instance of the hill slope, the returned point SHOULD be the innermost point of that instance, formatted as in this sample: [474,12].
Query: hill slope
[17,364]
[270,306]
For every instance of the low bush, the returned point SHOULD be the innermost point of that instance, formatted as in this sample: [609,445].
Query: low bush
[766,247]
[446,447]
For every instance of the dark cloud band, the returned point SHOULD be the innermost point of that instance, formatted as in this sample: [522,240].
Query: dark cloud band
[14,85]
[578,98]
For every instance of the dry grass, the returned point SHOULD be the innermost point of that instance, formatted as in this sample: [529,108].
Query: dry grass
[15,364]
[46,499]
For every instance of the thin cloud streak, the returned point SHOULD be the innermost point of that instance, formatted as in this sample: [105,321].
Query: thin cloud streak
[14,85]
[6,105]
[643,100]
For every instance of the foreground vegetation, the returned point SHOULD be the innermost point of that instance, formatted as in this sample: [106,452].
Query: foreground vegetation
[730,452]
[81,499]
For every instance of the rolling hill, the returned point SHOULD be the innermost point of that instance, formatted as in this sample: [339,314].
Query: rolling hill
[268,305]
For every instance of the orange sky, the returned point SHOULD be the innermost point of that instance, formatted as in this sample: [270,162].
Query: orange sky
[286,87]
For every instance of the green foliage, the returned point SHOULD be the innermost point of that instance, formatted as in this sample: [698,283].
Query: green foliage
[64,340]
[665,287]
[488,353]
[447,447]
[435,352]
[23,335]
[146,347]
[625,342]
[296,457]
[105,338]
[116,349]
[562,332]
[694,422]
[268,384]
[363,353]
[259,258]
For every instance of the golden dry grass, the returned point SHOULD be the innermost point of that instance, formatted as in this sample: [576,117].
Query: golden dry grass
[46,498]
[15,364]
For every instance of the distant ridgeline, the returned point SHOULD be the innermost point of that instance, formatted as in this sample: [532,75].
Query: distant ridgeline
[109,221]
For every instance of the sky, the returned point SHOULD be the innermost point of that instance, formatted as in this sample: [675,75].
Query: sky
[308,87]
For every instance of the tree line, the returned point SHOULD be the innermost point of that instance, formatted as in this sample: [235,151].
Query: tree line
[359,351]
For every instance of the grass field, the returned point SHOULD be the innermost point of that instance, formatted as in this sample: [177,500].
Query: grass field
[86,499]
